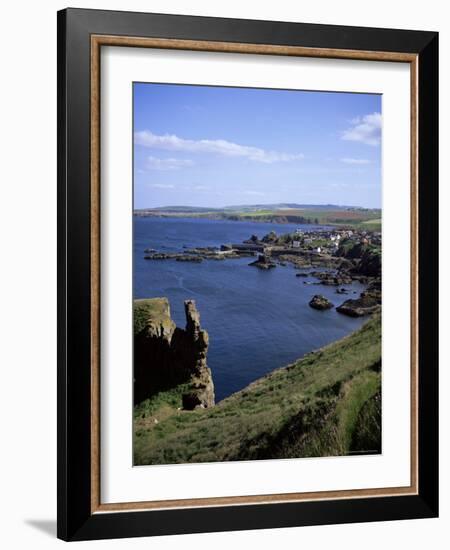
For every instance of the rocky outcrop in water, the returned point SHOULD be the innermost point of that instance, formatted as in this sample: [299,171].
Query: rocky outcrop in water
[263,262]
[320,302]
[332,279]
[166,356]
[366,304]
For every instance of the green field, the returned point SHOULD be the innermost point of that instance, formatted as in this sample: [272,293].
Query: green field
[326,404]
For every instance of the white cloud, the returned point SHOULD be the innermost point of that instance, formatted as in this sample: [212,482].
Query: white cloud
[169,142]
[162,185]
[154,163]
[355,161]
[366,129]
[201,188]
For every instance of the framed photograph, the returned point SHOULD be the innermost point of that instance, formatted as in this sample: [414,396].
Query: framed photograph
[248,296]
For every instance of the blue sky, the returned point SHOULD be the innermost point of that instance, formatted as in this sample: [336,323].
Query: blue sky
[217,146]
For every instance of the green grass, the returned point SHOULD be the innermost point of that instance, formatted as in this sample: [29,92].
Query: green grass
[156,309]
[310,408]
[352,217]
[369,222]
[255,213]
[371,225]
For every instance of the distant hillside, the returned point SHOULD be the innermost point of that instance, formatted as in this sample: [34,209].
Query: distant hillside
[192,209]
[285,206]
[277,213]
[250,207]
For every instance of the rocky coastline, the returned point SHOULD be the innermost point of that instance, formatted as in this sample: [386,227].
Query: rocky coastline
[335,257]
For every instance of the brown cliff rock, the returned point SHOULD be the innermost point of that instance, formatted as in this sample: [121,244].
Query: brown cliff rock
[166,356]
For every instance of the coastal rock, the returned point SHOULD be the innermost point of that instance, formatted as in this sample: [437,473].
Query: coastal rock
[298,261]
[178,256]
[166,356]
[332,279]
[160,256]
[271,237]
[254,239]
[374,289]
[370,264]
[187,258]
[202,387]
[364,305]
[320,302]
[202,250]
[344,263]
[263,262]
[366,257]
[192,319]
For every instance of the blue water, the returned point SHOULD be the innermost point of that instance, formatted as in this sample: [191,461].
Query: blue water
[257,320]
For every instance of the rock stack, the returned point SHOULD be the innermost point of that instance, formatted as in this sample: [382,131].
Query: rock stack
[166,356]
[320,302]
[202,392]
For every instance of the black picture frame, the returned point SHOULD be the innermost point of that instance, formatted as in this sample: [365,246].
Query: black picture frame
[75,518]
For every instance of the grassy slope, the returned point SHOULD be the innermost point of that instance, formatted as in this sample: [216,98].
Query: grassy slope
[355,218]
[157,309]
[324,404]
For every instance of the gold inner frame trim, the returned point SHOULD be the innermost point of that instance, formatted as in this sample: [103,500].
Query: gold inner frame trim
[97,41]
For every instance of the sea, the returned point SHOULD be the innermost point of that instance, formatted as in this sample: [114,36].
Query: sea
[257,320]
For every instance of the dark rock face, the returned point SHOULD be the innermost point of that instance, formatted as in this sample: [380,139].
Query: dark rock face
[370,264]
[271,237]
[166,356]
[188,258]
[179,257]
[254,239]
[202,387]
[263,262]
[366,304]
[338,279]
[366,258]
[320,302]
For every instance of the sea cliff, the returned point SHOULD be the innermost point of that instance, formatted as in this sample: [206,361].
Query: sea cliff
[167,357]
